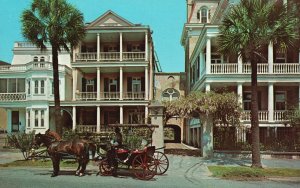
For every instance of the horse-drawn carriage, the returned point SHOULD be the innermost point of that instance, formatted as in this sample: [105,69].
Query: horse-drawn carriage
[143,159]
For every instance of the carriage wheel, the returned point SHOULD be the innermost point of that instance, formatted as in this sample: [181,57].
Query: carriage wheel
[104,168]
[161,161]
[144,167]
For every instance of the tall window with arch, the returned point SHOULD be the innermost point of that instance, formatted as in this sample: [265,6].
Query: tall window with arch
[203,15]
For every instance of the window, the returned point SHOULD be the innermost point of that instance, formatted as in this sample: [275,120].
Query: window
[247,100]
[170,94]
[281,55]
[136,117]
[42,118]
[90,85]
[136,84]
[52,87]
[36,118]
[135,48]
[216,58]
[35,59]
[203,15]
[42,86]
[36,87]
[113,84]
[42,59]
[280,100]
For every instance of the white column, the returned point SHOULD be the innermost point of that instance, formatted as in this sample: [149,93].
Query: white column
[74,118]
[121,46]
[146,114]
[270,57]
[240,93]
[74,83]
[271,101]
[98,83]
[121,83]
[146,84]
[240,64]
[146,46]
[98,47]
[207,87]
[299,95]
[39,118]
[121,114]
[98,119]
[32,119]
[208,55]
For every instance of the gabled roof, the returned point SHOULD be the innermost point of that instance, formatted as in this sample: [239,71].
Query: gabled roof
[110,19]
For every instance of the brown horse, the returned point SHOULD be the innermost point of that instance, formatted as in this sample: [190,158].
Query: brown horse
[76,147]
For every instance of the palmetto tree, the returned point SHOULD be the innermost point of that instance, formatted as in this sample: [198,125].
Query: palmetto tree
[58,23]
[246,29]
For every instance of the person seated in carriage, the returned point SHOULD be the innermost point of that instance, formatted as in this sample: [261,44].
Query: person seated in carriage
[112,153]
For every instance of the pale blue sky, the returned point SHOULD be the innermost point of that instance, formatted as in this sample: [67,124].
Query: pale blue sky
[165,17]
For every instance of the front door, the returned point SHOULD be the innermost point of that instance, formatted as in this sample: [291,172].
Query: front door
[15,121]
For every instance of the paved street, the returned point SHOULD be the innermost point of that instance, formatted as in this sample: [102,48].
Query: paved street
[184,171]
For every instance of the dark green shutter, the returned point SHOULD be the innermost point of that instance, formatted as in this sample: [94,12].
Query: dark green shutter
[106,84]
[143,83]
[83,85]
[129,84]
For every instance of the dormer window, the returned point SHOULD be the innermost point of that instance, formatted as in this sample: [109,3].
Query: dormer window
[42,59]
[35,59]
[203,15]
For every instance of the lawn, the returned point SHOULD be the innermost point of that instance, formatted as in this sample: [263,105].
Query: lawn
[248,173]
[39,163]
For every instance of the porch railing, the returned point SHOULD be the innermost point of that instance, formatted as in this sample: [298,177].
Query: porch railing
[13,96]
[134,95]
[109,95]
[262,116]
[262,68]
[286,68]
[86,95]
[109,56]
[226,68]
[90,56]
[133,56]
[87,128]
[280,115]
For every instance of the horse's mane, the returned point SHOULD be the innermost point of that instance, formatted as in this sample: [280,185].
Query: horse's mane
[53,135]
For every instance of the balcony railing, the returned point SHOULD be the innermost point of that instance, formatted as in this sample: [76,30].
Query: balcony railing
[278,115]
[109,95]
[33,66]
[262,68]
[134,95]
[13,96]
[86,128]
[110,56]
[134,56]
[86,96]
[262,116]
[286,68]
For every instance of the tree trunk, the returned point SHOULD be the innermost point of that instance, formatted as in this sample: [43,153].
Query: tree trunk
[256,161]
[58,125]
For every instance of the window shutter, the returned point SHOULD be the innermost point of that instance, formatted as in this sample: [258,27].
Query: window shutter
[83,85]
[143,83]
[129,84]
[95,84]
[118,84]
[106,84]
[129,48]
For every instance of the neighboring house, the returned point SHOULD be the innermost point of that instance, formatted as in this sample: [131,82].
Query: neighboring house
[208,70]
[168,87]
[3,118]
[108,79]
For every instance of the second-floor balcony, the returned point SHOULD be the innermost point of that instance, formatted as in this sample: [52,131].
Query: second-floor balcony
[263,116]
[13,96]
[110,96]
[110,56]
[262,68]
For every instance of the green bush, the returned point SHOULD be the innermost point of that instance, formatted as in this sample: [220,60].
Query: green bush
[22,141]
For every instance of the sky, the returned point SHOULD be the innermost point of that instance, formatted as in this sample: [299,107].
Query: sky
[165,17]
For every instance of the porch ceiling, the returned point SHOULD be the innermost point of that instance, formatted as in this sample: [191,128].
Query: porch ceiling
[111,69]
[114,37]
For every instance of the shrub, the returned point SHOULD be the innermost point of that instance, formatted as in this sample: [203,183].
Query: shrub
[22,141]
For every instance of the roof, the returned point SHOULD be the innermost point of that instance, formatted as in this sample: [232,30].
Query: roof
[110,18]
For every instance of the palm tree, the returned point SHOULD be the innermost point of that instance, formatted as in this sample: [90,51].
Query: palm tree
[58,23]
[246,29]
